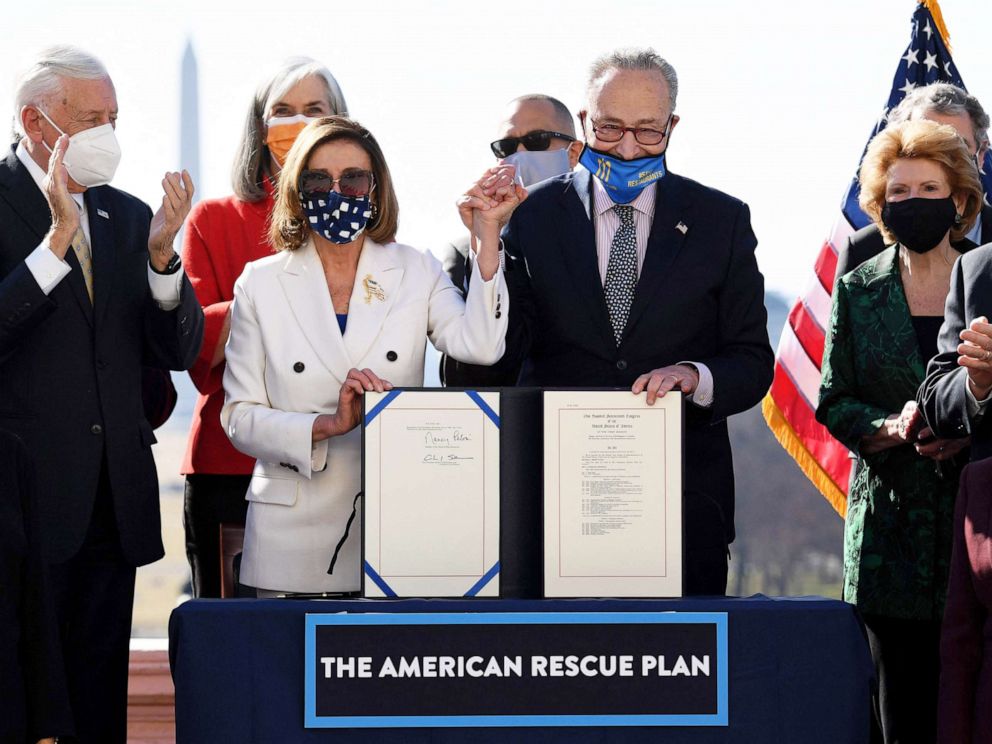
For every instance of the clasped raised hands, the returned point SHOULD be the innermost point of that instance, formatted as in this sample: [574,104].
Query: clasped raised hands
[488,203]
[485,208]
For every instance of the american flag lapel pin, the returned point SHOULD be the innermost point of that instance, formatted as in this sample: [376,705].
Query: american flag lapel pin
[681,227]
[103,214]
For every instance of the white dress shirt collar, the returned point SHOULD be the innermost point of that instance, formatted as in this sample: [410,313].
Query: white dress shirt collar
[644,203]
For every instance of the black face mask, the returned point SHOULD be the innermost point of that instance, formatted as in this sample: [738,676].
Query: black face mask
[919,224]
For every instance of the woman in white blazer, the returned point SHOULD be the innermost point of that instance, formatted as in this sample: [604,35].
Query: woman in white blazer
[340,309]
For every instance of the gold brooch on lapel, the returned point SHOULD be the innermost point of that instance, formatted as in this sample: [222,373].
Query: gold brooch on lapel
[372,289]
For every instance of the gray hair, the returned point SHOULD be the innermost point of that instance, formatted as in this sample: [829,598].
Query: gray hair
[252,159]
[946,99]
[45,78]
[635,59]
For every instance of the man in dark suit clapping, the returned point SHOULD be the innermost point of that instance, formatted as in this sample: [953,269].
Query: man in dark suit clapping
[90,289]
[623,274]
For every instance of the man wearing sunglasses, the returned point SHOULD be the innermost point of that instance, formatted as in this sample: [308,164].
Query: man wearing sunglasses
[624,274]
[537,137]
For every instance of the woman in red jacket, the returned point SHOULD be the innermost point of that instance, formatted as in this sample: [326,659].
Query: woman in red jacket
[221,236]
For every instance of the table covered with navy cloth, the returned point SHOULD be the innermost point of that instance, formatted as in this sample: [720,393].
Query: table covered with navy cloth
[799,671]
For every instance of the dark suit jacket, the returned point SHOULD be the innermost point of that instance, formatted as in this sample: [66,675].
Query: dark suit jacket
[965,701]
[867,242]
[942,394]
[454,257]
[32,682]
[699,298]
[70,371]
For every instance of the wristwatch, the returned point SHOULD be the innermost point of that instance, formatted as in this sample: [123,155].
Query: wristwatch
[170,268]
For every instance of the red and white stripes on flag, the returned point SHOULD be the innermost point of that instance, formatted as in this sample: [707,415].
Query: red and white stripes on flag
[790,404]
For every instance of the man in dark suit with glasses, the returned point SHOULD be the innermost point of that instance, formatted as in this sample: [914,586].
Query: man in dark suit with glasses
[623,274]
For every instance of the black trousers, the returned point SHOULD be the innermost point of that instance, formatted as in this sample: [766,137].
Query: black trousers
[907,663]
[94,596]
[705,570]
[209,501]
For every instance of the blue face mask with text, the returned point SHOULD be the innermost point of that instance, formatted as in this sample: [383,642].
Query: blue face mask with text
[623,179]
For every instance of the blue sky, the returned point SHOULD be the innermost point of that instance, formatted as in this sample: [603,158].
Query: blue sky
[776,97]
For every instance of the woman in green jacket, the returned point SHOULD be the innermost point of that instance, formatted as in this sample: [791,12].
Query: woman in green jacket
[920,187]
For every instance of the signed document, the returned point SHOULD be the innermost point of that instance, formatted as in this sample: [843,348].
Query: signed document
[612,495]
[431,489]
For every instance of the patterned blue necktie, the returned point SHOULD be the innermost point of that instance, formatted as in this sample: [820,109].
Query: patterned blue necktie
[621,271]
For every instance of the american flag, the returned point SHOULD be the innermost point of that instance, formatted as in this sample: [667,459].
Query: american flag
[790,404]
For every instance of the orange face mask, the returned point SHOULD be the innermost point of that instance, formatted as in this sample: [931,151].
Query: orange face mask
[282,133]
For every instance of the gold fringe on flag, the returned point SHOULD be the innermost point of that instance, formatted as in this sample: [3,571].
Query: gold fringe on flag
[934,7]
[793,444]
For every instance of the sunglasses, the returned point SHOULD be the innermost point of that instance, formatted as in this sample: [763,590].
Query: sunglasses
[350,183]
[537,140]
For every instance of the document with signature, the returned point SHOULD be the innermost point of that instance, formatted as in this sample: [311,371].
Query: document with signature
[612,495]
[431,489]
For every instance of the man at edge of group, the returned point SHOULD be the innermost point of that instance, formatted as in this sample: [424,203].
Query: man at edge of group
[624,274]
[90,289]
[537,135]
[945,104]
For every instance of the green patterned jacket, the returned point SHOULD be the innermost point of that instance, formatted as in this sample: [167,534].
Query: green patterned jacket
[897,536]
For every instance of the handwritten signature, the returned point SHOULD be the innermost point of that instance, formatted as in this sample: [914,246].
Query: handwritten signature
[457,436]
[445,459]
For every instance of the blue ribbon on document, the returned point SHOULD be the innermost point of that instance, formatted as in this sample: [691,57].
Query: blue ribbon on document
[488,575]
[477,399]
[486,578]
[378,408]
[378,580]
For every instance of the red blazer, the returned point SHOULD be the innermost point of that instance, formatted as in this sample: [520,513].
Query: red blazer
[965,707]
[221,236]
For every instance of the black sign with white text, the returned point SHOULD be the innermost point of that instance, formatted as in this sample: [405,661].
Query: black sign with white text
[516,669]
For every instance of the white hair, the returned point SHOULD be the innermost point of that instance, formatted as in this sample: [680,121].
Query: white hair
[45,77]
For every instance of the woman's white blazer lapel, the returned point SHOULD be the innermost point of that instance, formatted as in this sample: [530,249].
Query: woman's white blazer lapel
[303,283]
[377,284]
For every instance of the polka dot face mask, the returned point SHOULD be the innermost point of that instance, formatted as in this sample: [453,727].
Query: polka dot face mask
[336,217]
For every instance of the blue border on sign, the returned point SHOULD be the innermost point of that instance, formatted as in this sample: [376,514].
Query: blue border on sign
[718,619]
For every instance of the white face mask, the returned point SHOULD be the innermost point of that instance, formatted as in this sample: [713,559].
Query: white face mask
[93,154]
[538,165]
[274,121]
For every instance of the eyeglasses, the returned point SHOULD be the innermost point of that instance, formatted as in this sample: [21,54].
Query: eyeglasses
[539,139]
[350,183]
[643,135]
